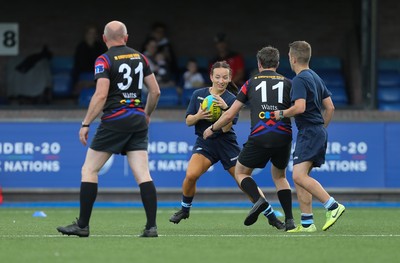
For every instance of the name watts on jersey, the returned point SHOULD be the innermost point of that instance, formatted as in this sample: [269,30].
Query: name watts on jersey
[129,95]
[269,107]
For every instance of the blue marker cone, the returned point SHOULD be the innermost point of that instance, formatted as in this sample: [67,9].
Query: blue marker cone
[39,214]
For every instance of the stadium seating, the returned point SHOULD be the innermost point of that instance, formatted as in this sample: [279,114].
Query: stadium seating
[330,70]
[186,96]
[61,67]
[85,96]
[388,89]
[169,97]
[62,84]
[284,68]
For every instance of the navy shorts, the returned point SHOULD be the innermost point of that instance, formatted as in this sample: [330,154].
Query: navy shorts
[119,142]
[223,149]
[254,156]
[311,145]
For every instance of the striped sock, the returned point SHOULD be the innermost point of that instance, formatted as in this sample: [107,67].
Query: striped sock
[186,203]
[331,204]
[307,219]
[269,213]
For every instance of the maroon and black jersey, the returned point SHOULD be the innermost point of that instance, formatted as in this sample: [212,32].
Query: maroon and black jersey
[265,93]
[126,69]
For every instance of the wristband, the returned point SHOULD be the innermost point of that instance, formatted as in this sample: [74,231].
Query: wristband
[212,128]
[85,125]
[281,114]
[227,108]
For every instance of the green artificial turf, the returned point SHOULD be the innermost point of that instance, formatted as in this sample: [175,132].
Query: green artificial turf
[209,235]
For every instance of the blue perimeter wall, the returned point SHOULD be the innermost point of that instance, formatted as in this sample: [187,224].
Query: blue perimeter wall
[48,155]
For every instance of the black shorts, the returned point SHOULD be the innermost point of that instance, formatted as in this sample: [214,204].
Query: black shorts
[253,156]
[311,145]
[223,149]
[119,142]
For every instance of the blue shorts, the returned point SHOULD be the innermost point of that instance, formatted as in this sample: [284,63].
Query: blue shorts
[311,145]
[221,148]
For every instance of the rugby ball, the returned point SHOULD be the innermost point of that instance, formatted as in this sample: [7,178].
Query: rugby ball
[210,105]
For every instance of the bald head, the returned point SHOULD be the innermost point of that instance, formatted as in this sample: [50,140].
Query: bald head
[115,31]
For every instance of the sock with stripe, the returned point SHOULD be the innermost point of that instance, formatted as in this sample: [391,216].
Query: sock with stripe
[269,213]
[331,204]
[186,203]
[307,219]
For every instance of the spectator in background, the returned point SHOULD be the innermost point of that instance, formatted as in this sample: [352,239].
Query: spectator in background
[164,73]
[158,63]
[234,59]
[159,33]
[150,51]
[85,55]
[192,77]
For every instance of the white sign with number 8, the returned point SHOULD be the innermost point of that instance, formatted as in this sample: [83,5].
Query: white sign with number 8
[9,39]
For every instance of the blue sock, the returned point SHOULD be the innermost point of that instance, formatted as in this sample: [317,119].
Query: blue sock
[307,219]
[331,204]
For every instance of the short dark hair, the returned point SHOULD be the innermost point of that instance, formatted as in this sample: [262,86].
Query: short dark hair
[268,57]
[301,50]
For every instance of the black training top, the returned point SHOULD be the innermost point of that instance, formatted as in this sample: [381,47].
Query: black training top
[126,69]
[265,93]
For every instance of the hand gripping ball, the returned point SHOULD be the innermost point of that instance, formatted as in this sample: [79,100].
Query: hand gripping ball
[209,104]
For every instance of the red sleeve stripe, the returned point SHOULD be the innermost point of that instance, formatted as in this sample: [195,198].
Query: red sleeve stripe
[243,89]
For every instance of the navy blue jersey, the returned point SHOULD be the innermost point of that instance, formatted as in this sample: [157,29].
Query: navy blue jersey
[126,69]
[197,98]
[265,93]
[309,86]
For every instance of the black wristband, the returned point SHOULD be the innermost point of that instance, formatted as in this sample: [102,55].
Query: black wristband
[85,125]
[212,128]
[227,108]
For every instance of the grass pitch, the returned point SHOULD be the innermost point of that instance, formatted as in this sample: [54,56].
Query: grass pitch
[209,235]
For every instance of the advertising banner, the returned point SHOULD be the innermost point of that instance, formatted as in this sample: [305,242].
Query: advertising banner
[49,155]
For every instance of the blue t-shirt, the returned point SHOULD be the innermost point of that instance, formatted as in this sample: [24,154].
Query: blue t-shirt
[309,86]
[194,105]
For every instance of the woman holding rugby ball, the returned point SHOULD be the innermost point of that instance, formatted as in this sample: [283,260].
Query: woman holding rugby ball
[222,146]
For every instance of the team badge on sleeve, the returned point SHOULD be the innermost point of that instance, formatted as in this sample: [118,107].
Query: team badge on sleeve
[99,68]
